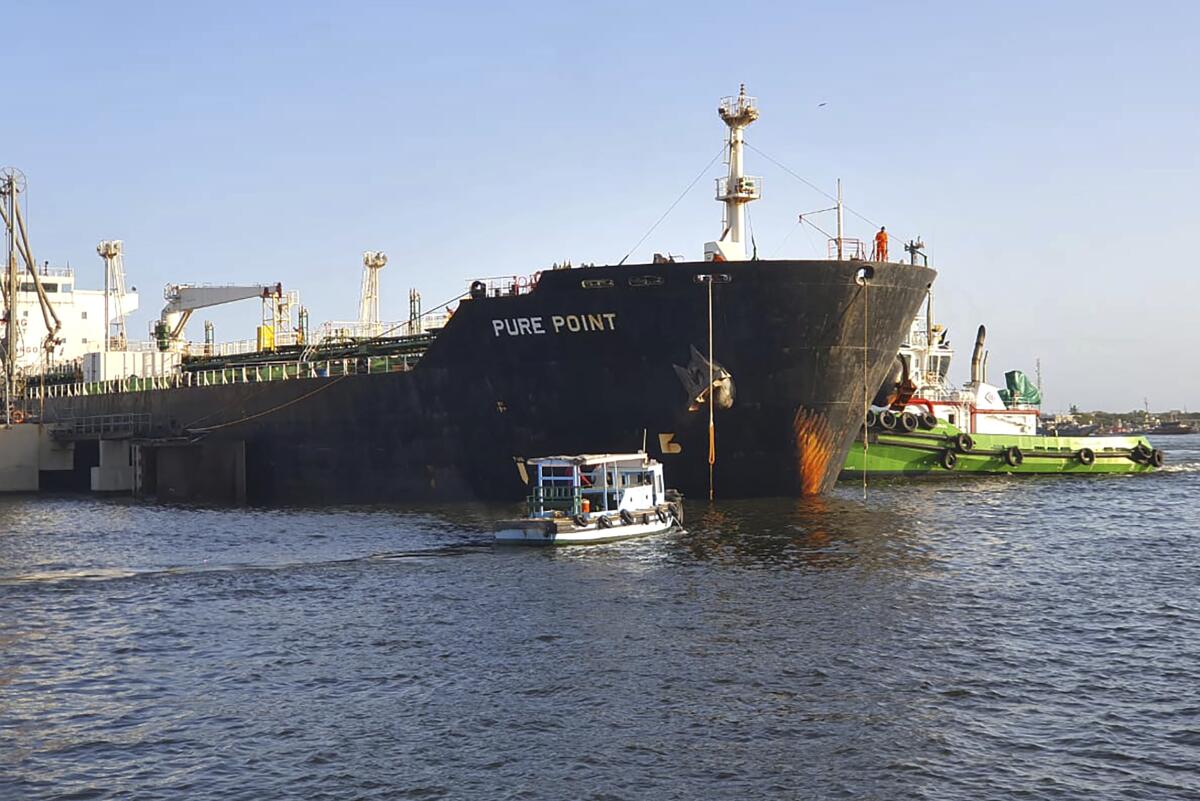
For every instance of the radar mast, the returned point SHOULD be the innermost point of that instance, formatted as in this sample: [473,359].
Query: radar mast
[737,189]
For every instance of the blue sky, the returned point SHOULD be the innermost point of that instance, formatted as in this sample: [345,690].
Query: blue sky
[1046,152]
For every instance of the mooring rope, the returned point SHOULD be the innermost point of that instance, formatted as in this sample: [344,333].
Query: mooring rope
[712,392]
[671,208]
[273,409]
[866,400]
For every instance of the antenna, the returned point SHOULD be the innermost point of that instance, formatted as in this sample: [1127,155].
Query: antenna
[414,312]
[12,184]
[839,219]
[368,304]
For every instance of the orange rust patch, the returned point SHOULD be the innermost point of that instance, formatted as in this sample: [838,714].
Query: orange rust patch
[814,449]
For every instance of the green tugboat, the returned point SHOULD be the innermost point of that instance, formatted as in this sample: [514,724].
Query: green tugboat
[919,424]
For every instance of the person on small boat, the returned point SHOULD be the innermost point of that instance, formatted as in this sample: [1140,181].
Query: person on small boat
[881,244]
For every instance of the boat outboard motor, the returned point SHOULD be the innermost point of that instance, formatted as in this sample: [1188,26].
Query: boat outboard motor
[978,367]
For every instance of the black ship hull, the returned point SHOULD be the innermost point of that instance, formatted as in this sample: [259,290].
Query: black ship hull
[592,360]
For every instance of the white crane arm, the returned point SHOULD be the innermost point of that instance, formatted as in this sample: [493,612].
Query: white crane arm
[183,299]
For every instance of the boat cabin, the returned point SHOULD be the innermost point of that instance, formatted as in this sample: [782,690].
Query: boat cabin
[594,484]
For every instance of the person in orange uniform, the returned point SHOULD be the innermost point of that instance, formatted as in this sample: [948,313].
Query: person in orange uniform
[881,244]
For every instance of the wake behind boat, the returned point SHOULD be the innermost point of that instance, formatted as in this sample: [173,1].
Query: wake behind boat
[594,498]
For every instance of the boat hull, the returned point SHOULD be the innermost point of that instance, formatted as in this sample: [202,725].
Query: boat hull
[592,360]
[565,532]
[921,454]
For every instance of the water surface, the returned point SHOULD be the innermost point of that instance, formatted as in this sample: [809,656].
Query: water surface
[995,638]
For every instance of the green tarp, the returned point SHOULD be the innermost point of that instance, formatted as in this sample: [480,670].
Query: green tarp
[1021,391]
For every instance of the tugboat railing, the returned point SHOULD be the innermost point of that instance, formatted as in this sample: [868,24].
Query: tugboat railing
[549,497]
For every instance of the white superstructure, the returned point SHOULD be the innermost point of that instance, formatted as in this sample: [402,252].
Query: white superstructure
[976,407]
[81,313]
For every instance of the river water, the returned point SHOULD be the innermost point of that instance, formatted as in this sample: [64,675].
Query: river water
[995,638]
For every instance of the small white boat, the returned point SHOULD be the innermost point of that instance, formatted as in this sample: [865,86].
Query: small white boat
[593,498]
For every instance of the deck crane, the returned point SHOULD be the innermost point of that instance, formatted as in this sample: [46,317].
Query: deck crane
[111,251]
[183,299]
[12,184]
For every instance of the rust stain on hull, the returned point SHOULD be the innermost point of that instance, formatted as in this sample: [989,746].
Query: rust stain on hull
[814,449]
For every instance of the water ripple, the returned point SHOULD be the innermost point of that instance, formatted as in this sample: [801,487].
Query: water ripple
[983,639]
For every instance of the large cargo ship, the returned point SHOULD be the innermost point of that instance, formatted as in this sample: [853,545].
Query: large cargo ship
[742,376]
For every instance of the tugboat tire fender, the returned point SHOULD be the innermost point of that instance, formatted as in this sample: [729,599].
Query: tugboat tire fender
[1086,456]
[604,522]
[887,420]
[1156,458]
[1013,456]
[928,420]
[908,422]
[627,517]
[872,418]
[963,443]
[948,459]
[580,520]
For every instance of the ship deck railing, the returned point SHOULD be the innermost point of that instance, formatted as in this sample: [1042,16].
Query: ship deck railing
[501,286]
[237,374]
[851,249]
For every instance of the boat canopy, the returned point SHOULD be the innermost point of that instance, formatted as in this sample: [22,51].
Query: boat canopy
[1021,391]
[585,459]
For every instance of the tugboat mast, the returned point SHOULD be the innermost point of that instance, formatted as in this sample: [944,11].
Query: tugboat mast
[736,190]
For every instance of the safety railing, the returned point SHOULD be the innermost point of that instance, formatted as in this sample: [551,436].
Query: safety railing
[239,374]
[351,330]
[853,249]
[550,497]
[503,285]
[103,424]
[747,187]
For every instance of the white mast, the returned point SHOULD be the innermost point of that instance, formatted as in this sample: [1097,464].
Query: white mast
[368,305]
[114,293]
[736,190]
[839,219]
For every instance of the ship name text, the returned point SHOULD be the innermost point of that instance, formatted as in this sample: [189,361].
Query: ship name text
[554,324]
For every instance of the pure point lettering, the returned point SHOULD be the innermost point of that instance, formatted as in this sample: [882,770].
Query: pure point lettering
[559,323]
